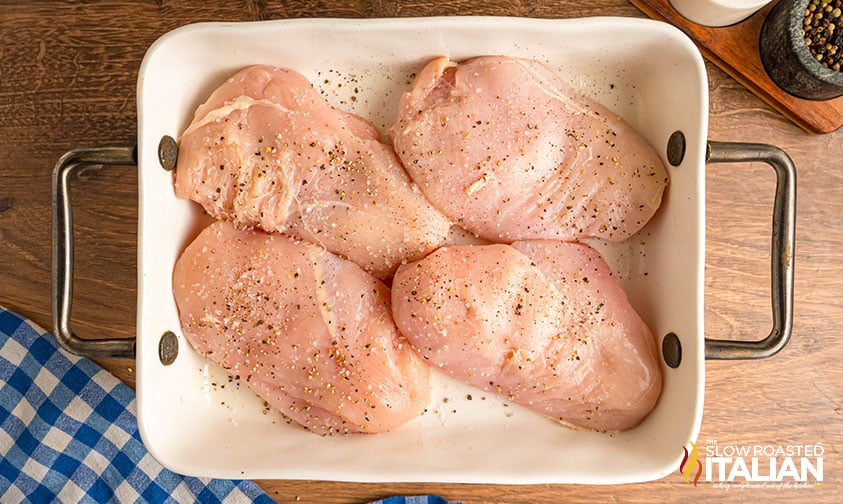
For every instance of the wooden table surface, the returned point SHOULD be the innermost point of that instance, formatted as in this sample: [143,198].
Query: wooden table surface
[68,73]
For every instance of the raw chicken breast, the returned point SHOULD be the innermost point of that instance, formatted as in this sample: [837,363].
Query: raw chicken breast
[267,150]
[309,332]
[509,152]
[543,323]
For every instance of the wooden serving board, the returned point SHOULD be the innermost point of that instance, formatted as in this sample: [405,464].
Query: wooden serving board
[735,50]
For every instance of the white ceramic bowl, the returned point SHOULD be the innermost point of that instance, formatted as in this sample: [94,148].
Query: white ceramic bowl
[718,12]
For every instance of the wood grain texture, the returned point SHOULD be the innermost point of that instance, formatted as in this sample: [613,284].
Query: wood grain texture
[735,49]
[67,80]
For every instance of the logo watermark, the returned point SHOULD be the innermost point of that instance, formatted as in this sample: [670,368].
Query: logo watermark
[739,466]
[689,463]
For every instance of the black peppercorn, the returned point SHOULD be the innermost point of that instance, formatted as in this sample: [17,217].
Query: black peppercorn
[823,27]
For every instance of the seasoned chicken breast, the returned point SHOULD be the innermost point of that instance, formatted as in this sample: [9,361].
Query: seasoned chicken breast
[266,150]
[509,152]
[309,332]
[542,323]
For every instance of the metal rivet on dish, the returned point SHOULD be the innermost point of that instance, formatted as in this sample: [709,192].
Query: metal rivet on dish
[168,348]
[168,152]
[676,148]
[672,350]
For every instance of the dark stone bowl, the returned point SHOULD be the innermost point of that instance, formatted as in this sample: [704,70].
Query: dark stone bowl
[787,59]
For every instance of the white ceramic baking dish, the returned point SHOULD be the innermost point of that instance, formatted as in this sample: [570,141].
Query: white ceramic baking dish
[195,422]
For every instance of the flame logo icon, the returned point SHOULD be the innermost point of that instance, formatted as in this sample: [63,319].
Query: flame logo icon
[686,467]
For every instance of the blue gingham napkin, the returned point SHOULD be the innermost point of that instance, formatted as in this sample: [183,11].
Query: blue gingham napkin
[69,433]
[415,499]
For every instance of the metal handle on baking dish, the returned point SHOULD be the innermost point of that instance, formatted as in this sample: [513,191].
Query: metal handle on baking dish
[784,229]
[63,251]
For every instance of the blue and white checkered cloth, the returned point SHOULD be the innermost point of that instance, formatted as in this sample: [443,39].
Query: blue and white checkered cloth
[69,433]
[415,499]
